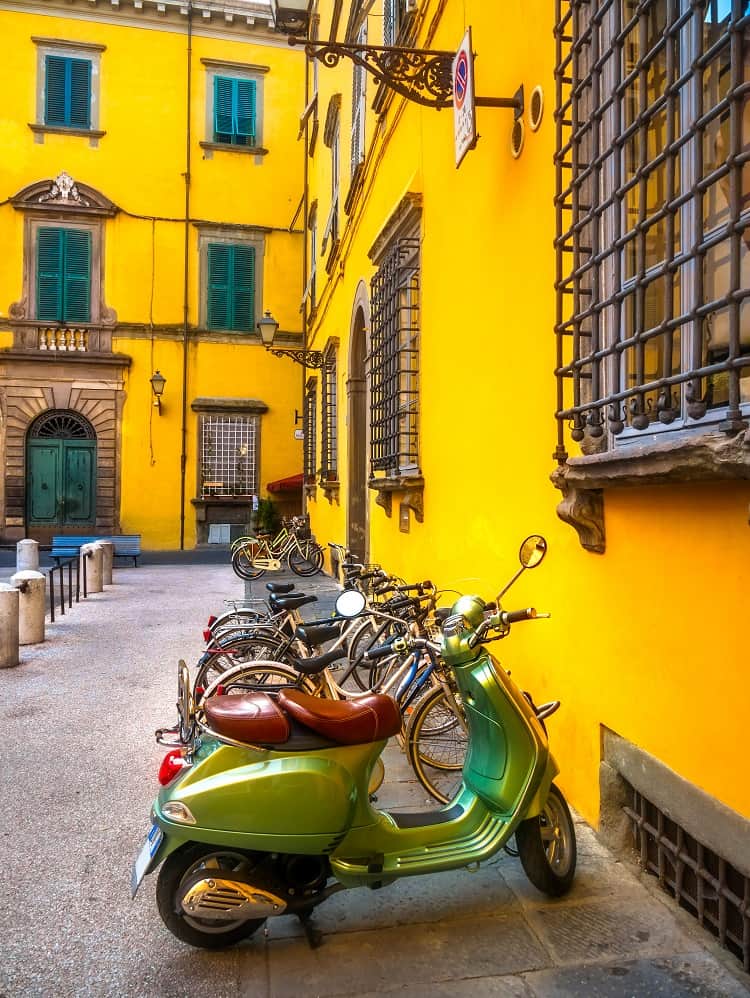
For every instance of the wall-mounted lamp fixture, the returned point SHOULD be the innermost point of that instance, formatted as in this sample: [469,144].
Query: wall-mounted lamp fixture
[268,326]
[158,381]
[291,16]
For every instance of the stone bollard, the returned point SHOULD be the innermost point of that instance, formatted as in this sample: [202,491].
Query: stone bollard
[32,606]
[27,556]
[93,555]
[8,626]
[108,557]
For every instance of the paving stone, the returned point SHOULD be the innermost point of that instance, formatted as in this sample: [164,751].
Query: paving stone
[598,930]
[413,956]
[473,987]
[693,976]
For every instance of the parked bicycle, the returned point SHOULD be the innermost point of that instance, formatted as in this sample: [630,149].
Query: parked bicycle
[252,557]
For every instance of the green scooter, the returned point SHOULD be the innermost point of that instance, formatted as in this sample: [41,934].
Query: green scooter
[266,807]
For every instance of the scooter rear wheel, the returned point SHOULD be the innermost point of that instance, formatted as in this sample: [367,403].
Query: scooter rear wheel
[176,869]
[547,846]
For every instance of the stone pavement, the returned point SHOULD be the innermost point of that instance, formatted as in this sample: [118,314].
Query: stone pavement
[78,763]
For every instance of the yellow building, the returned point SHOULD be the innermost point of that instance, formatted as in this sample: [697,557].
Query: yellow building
[600,233]
[150,190]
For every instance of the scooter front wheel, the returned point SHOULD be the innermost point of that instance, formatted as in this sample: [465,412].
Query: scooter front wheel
[174,874]
[547,846]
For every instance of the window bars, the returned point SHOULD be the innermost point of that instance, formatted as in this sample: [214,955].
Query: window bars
[310,428]
[328,422]
[652,207]
[701,881]
[394,361]
[229,456]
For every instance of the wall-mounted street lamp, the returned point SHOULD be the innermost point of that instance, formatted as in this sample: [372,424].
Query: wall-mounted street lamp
[267,327]
[291,16]
[158,381]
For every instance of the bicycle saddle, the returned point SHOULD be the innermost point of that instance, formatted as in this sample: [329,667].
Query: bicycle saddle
[280,588]
[317,634]
[312,666]
[292,602]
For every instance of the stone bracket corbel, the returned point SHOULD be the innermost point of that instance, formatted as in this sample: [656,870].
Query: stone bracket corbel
[412,488]
[583,509]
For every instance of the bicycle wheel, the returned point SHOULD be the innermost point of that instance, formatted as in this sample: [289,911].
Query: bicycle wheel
[436,743]
[267,676]
[306,558]
[234,650]
[242,562]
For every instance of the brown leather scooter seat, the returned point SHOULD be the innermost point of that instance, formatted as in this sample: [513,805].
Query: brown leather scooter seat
[348,722]
[248,717]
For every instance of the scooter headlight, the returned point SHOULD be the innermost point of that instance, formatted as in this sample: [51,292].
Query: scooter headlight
[175,810]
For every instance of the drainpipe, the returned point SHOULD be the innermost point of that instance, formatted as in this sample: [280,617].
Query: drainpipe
[186,272]
[306,306]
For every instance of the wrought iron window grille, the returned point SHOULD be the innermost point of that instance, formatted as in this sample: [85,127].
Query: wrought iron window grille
[310,430]
[653,226]
[229,455]
[329,420]
[394,361]
[702,882]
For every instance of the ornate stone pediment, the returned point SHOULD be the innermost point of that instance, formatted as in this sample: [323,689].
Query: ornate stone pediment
[63,193]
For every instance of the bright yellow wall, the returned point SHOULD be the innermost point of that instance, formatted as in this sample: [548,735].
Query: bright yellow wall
[645,639]
[139,165]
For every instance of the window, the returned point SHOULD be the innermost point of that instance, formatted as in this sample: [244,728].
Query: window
[310,295]
[67,92]
[311,444]
[332,138]
[229,455]
[394,360]
[653,205]
[230,287]
[68,75]
[395,19]
[234,111]
[328,421]
[359,107]
[63,273]
[234,104]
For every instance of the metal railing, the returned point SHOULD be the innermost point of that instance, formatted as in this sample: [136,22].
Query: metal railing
[81,583]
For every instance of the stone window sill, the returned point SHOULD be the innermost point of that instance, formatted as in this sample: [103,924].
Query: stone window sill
[331,488]
[709,457]
[89,133]
[411,485]
[227,147]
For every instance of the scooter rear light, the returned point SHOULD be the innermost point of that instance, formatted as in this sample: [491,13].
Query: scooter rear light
[172,763]
[212,620]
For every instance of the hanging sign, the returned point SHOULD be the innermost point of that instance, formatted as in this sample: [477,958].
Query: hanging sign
[464,113]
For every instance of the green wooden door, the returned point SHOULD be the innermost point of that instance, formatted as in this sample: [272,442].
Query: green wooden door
[60,482]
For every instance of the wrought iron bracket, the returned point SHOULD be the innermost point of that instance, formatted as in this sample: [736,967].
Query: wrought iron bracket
[308,358]
[424,76]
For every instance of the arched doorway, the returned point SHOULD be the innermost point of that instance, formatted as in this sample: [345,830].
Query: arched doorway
[357,538]
[60,473]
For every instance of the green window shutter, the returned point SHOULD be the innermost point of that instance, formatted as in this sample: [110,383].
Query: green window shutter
[219,270]
[243,288]
[49,275]
[54,90]
[67,94]
[223,103]
[245,110]
[79,114]
[77,276]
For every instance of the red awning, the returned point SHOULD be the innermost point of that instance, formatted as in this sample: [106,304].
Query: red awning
[291,484]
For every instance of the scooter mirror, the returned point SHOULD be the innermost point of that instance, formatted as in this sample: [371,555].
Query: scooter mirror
[532,551]
[350,603]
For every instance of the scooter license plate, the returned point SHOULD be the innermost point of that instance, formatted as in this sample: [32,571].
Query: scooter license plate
[144,857]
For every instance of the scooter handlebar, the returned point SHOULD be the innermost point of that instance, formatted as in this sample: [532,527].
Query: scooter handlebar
[515,616]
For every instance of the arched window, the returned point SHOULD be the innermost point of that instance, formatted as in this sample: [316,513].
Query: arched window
[62,425]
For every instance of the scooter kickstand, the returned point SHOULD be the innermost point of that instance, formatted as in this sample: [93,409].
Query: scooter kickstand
[314,936]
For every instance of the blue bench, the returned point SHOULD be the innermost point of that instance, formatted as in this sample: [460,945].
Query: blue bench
[69,545]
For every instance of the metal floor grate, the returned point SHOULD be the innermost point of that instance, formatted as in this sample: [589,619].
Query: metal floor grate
[701,881]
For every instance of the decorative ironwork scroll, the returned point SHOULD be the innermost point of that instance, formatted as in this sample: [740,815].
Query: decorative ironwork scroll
[420,75]
[309,358]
